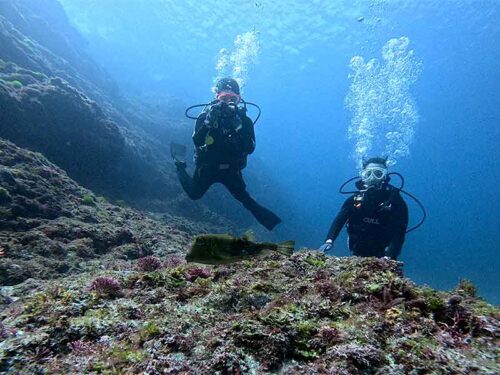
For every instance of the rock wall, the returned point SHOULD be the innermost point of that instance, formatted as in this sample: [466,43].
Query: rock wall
[55,100]
[50,226]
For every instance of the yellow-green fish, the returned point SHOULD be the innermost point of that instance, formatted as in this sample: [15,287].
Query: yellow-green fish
[224,248]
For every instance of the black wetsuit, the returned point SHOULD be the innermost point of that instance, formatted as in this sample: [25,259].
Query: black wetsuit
[376,222]
[222,144]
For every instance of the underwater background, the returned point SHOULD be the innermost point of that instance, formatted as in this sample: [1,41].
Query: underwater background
[436,69]
[106,264]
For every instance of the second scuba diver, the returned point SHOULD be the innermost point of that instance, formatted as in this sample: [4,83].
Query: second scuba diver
[223,138]
[376,215]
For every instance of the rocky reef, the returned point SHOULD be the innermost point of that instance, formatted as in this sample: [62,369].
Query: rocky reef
[305,314]
[57,101]
[49,225]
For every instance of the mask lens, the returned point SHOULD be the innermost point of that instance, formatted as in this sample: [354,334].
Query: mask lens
[377,173]
[228,97]
[365,174]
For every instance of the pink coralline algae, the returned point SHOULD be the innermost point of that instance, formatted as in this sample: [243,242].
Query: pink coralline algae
[149,263]
[106,285]
[173,261]
[194,273]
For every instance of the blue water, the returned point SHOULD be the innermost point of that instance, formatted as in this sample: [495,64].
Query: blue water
[301,81]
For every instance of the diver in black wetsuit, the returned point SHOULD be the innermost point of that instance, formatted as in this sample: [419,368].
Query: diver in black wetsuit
[223,137]
[376,216]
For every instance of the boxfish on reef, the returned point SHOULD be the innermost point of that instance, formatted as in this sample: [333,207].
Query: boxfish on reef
[224,248]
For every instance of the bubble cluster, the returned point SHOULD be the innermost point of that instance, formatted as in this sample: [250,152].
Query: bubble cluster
[237,63]
[384,113]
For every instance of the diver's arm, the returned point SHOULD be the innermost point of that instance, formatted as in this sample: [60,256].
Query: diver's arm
[340,219]
[200,130]
[400,223]
[247,136]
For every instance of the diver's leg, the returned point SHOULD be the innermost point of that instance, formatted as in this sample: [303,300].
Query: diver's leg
[233,180]
[198,185]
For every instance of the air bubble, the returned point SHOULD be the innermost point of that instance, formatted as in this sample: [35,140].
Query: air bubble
[384,113]
[237,64]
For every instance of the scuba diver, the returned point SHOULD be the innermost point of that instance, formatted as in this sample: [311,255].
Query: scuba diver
[223,138]
[376,214]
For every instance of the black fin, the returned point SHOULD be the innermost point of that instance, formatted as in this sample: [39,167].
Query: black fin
[177,151]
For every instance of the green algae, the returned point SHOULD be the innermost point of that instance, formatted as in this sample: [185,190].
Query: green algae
[315,261]
[149,330]
[466,288]
[88,200]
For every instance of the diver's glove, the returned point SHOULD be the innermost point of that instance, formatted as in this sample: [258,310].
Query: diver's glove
[328,245]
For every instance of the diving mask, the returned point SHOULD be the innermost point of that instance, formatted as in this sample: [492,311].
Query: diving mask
[373,174]
[228,97]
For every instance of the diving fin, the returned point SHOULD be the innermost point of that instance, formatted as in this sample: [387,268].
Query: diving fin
[177,151]
[286,248]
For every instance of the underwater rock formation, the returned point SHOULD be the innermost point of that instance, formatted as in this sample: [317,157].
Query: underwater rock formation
[49,115]
[57,101]
[37,35]
[49,225]
[305,314]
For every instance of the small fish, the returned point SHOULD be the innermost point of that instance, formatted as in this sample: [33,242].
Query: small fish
[224,248]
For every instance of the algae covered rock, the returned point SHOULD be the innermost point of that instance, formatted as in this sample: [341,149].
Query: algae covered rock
[56,100]
[265,315]
[50,226]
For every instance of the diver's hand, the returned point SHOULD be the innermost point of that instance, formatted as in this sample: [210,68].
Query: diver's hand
[213,116]
[326,246]
[387,257]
